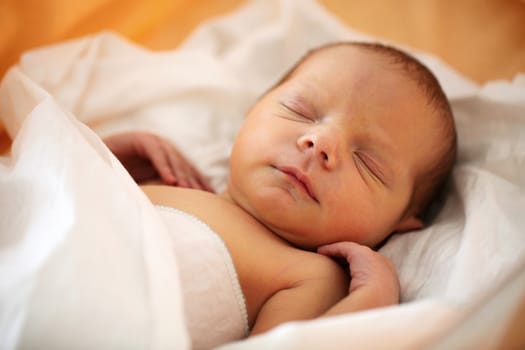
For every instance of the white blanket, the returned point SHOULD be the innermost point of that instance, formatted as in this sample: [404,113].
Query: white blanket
[83,256]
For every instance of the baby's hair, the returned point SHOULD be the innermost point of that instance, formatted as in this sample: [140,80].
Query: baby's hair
[430,183]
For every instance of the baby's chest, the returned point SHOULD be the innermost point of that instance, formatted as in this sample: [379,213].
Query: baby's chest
[265,264]
[262,260]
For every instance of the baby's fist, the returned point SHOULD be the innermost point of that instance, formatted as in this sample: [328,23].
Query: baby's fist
[368,269]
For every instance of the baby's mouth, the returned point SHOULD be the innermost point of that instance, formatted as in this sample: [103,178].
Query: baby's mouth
[300,179]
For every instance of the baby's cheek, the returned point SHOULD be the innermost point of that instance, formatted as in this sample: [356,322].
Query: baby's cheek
[364,224]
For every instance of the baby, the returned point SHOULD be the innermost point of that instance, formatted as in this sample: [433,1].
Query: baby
[350,146]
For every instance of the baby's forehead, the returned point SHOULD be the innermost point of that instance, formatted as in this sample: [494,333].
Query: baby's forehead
[356,75]
[375,83]
[346,53]
[349,66]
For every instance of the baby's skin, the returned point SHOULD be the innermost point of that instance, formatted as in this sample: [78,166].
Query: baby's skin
[321,173]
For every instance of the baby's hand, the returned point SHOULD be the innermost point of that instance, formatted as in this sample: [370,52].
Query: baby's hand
[370,272]
[149,157]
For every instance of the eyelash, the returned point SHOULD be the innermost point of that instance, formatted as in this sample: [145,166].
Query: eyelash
[367,167]
[295,112]
[362,163]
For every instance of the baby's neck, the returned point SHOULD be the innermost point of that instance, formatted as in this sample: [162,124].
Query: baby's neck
[227,196]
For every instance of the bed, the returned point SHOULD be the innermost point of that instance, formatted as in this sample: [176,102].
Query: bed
[83,256]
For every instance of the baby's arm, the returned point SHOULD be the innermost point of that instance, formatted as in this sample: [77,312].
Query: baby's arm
[149,157]
[322,283]
[324,290]
[373,278]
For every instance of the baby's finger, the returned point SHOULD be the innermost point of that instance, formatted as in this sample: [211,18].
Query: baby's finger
[195,179]
[178,167]
[153,149]
[186,174]
[338,249]
[194,182]
[182,178]
[205,185]
[199,181]
[164,168]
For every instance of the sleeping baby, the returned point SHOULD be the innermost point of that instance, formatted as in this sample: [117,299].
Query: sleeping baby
[351,145]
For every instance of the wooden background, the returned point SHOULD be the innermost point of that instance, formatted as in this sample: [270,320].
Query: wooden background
[483,39]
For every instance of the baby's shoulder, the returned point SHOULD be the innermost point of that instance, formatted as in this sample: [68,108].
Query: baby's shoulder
[206,206]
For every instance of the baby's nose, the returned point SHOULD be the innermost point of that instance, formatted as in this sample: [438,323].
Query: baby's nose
[323,144]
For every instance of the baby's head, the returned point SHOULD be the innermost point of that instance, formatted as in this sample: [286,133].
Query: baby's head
[353,143]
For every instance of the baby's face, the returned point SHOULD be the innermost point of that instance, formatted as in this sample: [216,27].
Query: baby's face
[332,153]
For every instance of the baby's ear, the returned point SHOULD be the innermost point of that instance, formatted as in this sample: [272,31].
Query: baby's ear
[408,224]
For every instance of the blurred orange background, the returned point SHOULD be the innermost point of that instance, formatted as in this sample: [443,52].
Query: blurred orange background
[483,39]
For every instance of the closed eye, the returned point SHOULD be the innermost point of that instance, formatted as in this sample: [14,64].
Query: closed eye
[366,166]
[296,112]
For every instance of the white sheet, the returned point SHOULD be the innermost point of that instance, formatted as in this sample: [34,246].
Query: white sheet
[80,244]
